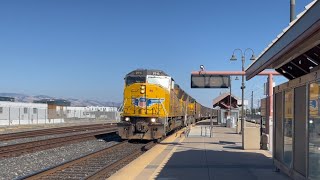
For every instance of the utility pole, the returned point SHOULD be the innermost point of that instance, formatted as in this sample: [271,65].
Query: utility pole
[230,100]
[252,105]
[292,10]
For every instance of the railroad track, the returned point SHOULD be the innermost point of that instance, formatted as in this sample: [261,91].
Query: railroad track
[29,147]
[53,131]
[98,165]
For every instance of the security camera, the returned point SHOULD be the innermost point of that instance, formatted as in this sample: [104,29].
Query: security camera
[202,67]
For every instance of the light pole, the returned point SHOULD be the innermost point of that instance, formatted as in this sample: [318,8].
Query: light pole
[230,98]
[234,58]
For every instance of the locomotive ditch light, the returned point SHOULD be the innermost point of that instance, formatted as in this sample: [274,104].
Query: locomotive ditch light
[153,120]
[127,119]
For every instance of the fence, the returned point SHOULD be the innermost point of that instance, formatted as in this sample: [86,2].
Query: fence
[29,116]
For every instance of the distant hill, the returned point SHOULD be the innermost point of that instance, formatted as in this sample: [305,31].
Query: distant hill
[74,102]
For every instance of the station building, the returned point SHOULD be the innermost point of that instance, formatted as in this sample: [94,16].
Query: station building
[295,122]
[222,102]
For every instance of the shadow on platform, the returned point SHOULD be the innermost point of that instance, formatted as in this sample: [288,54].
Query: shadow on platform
[230,133]
[225,142]
[219,165]
[206,123]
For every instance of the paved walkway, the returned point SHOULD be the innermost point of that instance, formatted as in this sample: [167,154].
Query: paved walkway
[202,158]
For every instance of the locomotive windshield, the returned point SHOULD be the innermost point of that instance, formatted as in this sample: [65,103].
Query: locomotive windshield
[163,81]
[135,79]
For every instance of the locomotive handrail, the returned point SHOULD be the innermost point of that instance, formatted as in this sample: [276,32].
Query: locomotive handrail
[122,106]
[166,113]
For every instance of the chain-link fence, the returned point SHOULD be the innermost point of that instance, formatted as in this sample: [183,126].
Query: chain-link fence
[29,116]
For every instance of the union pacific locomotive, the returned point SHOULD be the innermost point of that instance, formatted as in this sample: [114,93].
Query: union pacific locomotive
[154,105]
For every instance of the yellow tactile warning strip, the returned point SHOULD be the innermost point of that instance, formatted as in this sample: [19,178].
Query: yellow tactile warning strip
[148,165]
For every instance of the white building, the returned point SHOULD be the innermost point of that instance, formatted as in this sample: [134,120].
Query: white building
[78,112]
[103,109]
[90,112]
[18,113]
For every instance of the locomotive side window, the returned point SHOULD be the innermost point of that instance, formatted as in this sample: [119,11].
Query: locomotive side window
[135,79]
[172,84]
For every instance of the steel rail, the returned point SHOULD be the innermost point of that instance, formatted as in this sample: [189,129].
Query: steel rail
[29,147]
[51,131]
[43,174]
[89,166]
[106,171]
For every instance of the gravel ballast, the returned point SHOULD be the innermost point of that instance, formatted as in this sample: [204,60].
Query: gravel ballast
[12,168]
[24,140]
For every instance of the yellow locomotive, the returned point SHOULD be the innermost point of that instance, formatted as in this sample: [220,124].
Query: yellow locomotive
[154,105]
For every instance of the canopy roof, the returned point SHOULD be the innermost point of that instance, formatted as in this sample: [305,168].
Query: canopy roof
[296,50]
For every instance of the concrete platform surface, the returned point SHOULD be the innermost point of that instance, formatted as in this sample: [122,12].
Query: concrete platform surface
[202,158]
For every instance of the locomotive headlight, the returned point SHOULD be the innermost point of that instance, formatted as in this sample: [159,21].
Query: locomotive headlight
[142,89]
[127,119]
[153,120]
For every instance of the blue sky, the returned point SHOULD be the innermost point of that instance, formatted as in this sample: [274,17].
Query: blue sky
[83,49]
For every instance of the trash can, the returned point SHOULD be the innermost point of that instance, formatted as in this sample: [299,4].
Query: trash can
[233,122]
[229,123]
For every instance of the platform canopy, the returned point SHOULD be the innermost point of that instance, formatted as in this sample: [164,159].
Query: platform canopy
[296,51]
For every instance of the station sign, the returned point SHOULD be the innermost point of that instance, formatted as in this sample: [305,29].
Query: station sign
[210,81]
[245,102]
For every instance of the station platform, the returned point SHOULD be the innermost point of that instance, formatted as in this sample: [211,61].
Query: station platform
[202,158]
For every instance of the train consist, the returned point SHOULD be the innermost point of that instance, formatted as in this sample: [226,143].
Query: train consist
[154,105]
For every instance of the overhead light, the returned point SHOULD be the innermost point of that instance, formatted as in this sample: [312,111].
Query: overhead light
[233,58]
[283,71]
[202,67]
[253,57]
[289,67]
[311,67]
[300,62]
[312,61]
